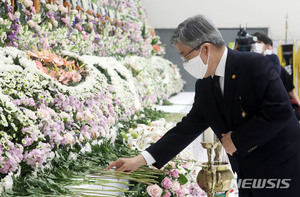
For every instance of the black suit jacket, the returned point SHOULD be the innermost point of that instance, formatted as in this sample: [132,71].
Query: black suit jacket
[265,138]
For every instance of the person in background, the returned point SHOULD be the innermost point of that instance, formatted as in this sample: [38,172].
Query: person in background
[264,46]
[241,97]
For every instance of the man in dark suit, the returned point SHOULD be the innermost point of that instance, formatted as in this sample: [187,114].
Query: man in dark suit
[241,97]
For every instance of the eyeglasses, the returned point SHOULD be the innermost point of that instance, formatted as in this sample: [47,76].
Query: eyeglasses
[196,48]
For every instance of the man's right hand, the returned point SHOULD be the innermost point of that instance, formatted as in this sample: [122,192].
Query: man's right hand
[128,164]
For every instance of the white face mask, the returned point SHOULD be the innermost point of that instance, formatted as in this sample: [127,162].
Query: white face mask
[257,47]
[196,67]
[268,52]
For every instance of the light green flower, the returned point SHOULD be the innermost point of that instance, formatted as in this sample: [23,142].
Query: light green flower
[23,118]
[26,85]
[4,123]
[24,141]
[21,95]
[3,117]
[5,91]
[12,91]
[45,82]
[9,117]
[48,100]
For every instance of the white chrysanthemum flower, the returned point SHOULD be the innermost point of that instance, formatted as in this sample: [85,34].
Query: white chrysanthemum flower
[7,182]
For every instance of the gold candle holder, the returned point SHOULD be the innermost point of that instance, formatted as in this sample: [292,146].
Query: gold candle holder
[214,176]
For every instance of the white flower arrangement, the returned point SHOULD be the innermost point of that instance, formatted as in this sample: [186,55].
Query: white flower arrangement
[158,78]
[124,88]
[143,135]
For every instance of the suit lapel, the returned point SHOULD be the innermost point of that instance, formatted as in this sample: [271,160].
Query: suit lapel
[231,76]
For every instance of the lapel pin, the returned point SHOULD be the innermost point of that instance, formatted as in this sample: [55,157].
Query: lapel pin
[233,76]
[244,114]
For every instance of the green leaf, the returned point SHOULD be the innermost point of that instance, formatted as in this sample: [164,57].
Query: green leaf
[182,179]
[154,41]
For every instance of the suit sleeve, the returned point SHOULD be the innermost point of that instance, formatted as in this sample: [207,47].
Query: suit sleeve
[274,110]
[179,137]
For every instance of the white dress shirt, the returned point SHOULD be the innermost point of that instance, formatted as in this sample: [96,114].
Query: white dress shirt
[220,71]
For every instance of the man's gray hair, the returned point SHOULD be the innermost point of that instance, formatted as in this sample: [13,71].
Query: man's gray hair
[196,30]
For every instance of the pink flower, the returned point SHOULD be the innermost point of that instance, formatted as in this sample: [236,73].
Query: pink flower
[52,74]
[85,37]
[10,16]
[154,190]
[45,70]
[78,26]
[167,194]
[39,65]
[174,173]
[167,172]
[28,141]
[172,164]
[33,10]
[180,193]
[156,48]
[68,75]
[65,21]
[27,12]
[76,77]
[175,185]
[166,183]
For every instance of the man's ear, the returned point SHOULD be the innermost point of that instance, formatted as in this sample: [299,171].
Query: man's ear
[206,48]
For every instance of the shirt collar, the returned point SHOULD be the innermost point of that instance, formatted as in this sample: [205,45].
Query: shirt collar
[220,71]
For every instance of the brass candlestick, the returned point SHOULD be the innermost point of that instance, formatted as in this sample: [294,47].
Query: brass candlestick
[214,176]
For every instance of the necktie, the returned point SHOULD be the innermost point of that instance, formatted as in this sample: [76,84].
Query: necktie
[218,92]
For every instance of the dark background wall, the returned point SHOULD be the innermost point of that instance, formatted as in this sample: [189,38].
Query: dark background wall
[228,34]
